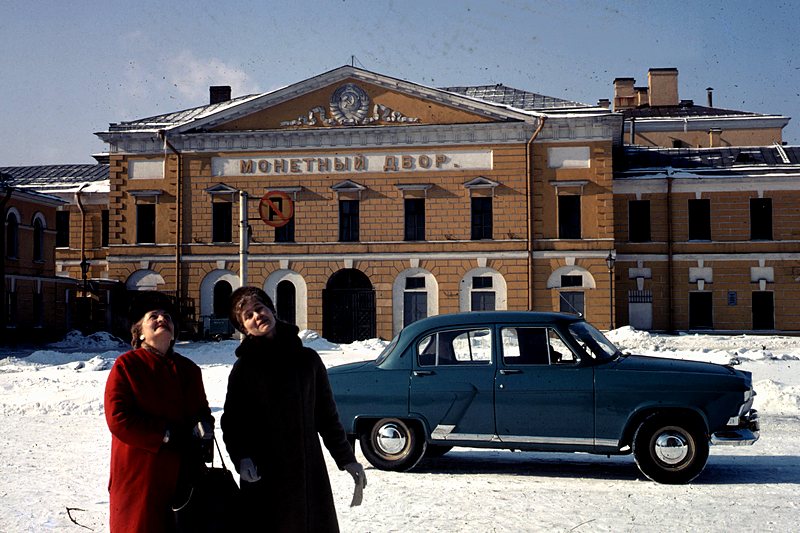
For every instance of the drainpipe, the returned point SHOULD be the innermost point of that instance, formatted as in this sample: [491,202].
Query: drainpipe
[84,262]
[178,233]
[3,306]
[670,318]
[529,182]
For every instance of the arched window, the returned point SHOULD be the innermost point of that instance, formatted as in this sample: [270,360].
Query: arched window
[38,238]
[12,235]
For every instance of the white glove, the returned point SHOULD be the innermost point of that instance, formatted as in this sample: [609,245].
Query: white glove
[248,471]
[360,478]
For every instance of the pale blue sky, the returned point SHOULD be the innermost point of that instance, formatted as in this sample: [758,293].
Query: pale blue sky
[70,68]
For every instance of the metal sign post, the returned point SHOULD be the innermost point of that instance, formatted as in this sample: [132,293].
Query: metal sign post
[244,238]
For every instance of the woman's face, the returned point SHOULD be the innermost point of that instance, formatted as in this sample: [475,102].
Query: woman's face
[157,328]
[258,320]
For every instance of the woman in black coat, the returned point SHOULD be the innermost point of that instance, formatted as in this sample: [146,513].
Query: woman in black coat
[279,403]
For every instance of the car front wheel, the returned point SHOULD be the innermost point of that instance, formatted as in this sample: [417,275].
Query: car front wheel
[393,444]
[670,451]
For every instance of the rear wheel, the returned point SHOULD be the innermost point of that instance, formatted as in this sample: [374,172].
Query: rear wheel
[670,451]
[393,444]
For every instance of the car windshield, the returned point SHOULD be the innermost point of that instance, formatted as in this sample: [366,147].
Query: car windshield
[388,350]
[592,341]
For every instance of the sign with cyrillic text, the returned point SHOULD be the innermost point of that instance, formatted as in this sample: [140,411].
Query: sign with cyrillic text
[352,163]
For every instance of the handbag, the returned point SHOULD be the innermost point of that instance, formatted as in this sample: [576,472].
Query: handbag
[211,501]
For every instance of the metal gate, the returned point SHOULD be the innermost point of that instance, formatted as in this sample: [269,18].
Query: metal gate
[348,314]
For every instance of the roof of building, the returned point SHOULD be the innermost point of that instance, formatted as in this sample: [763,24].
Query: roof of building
[48,175]
[517,98]
[177,117]
[685,109]
[494,95]
[636,161]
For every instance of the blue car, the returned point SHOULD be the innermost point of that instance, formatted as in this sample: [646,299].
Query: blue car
[540,382]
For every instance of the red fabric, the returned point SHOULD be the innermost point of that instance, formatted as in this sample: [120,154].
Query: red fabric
[145,394]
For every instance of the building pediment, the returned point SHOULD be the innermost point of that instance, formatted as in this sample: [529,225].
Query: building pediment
[350,97]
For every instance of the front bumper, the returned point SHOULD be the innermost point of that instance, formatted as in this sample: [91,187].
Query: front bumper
[743,434]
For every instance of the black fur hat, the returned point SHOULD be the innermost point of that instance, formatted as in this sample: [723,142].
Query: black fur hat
[145,301]
[243,296]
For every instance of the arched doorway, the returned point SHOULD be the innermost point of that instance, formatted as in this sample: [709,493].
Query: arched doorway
[222,298]
[286,301]
[348,307]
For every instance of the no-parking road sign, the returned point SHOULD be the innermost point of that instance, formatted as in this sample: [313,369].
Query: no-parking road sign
[276,208]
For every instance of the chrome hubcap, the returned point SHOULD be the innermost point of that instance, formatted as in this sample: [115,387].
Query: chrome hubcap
[671,447]
[390,439]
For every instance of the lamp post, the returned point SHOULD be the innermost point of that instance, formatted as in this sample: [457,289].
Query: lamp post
[610,260]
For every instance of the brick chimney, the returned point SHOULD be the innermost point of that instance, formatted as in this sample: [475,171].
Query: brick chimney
[624,94]
[663,84]
[219,93]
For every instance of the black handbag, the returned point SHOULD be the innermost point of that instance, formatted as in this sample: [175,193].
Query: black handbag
[211,501]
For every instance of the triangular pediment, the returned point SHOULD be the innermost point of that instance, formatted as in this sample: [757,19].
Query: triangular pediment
[349,97]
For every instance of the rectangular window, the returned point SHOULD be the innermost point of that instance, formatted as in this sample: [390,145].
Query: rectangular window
[62,229]
[525,346]
[482,282]
[571,302]
[482,301]
[221,229]
[639,220]
[414,219]
[285,233]
[145,223]
[415,283]
[572,281]
[455,347]
[763,310]
[104,225]
[700,220]
[701,314]
[761,219]
[415,307]
[569,217]
[348,220]
[481,218]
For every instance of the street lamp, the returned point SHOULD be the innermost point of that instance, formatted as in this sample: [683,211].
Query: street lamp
[610,263]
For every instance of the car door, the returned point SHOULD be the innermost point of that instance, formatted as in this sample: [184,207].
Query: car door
[452,384]
[543,395]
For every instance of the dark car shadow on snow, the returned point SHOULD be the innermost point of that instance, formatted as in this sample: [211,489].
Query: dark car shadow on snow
[725,470]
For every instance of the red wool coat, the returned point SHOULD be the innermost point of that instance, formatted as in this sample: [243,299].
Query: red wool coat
[145,394]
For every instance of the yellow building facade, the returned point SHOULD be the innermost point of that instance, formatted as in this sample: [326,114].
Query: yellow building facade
[407,201]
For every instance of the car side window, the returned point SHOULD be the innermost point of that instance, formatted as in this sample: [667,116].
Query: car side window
[534,346]
[560,353]
[456,347]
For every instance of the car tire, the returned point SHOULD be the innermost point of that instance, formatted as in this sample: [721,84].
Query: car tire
[670,451]
[434,451]
[393,444]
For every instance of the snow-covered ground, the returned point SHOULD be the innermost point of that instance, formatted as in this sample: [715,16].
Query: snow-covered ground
[54,453]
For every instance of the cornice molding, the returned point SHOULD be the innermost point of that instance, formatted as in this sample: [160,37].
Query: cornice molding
[569,129]
[704,124]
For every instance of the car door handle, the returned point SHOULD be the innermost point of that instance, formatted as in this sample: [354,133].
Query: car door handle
[507,371]
[423,372]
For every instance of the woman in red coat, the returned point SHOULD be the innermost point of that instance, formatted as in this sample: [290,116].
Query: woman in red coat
[154,399]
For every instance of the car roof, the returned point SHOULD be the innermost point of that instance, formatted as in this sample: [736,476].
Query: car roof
[472,318]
